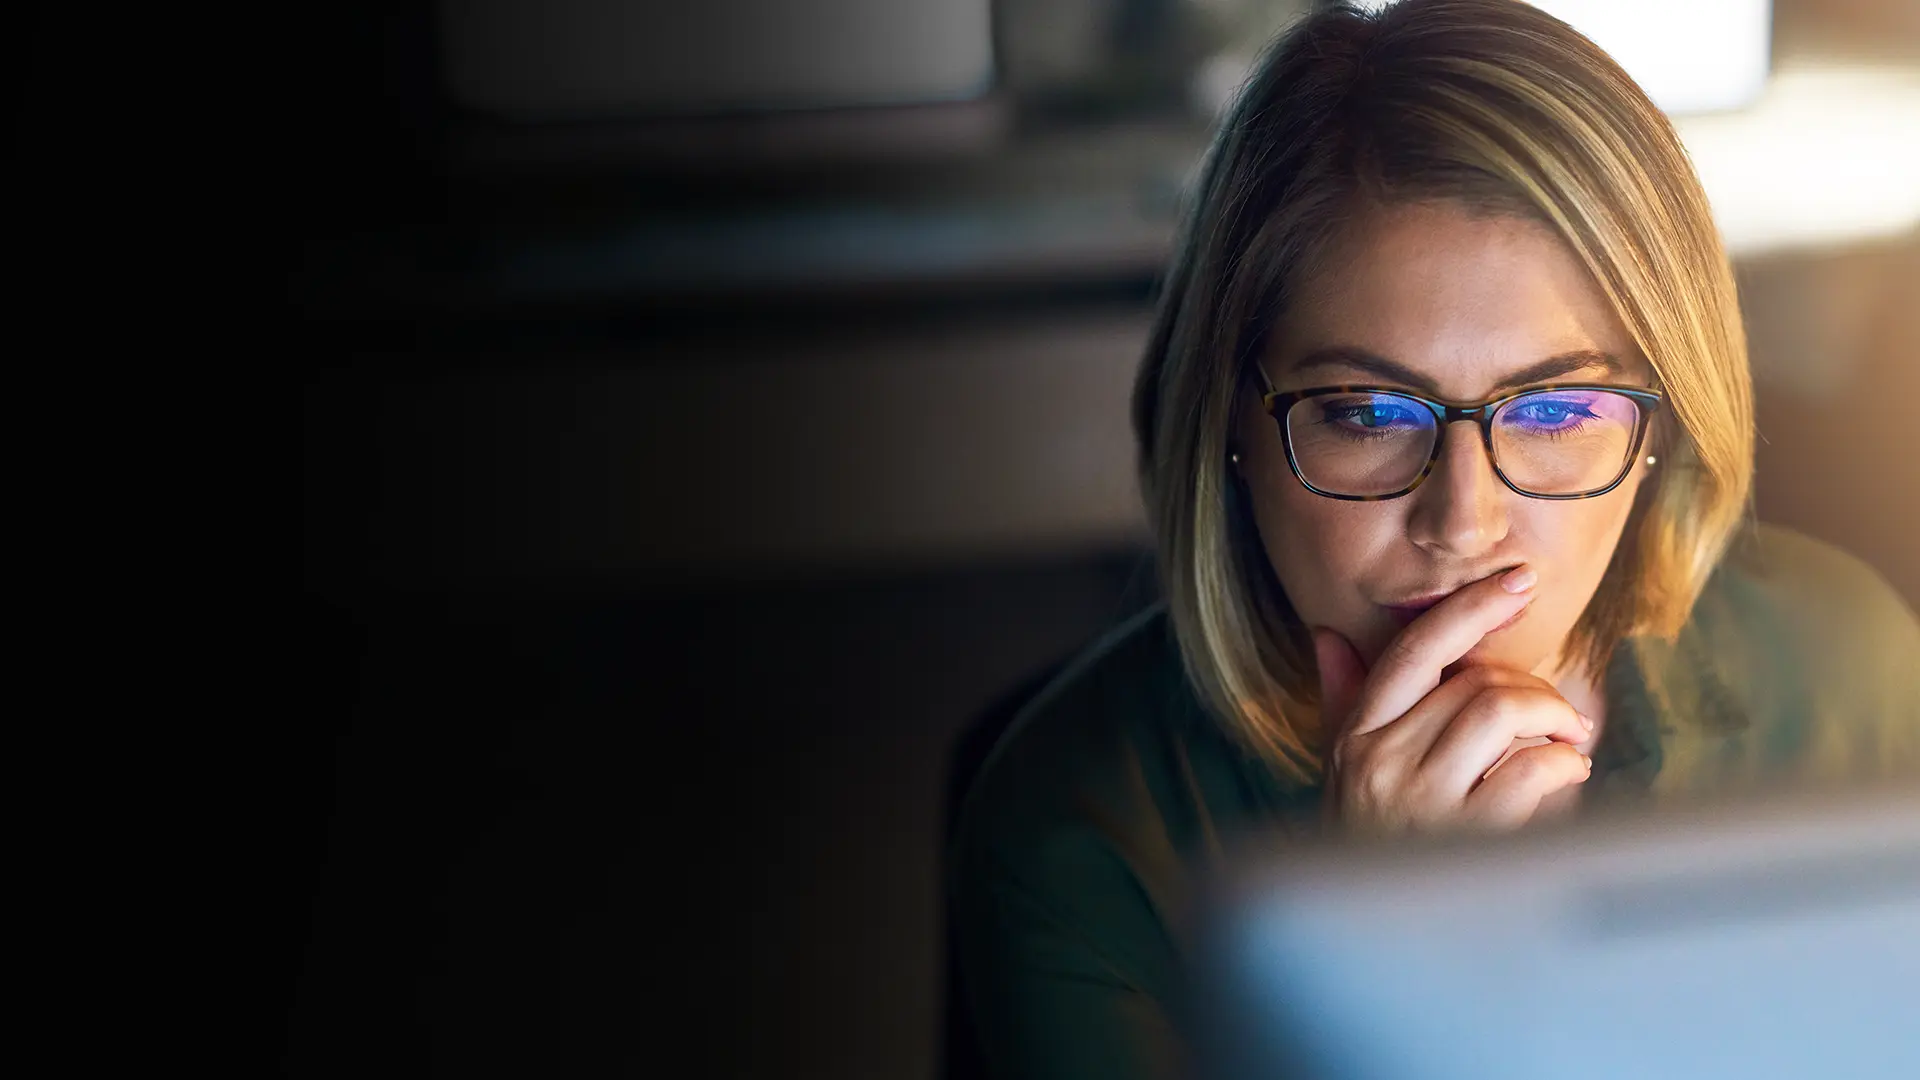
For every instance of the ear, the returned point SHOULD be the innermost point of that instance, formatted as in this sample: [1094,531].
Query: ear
[1659,438]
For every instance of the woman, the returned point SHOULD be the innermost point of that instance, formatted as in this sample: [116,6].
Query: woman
[1446,438]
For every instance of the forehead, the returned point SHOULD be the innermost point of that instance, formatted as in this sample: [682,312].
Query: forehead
[1464,299]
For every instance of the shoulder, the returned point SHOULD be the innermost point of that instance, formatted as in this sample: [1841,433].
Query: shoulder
[1805,573]
[1128,676]
[1802,656]
[1090,738]
[1094,804]
[1814,605]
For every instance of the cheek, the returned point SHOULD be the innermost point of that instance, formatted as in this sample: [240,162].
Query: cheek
[1321,549]
[1572,543]
[1578,538]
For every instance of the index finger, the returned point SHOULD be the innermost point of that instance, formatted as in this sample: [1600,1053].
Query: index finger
[1414,662]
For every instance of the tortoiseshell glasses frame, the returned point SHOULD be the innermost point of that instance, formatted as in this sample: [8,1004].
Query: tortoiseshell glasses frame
[1447,413]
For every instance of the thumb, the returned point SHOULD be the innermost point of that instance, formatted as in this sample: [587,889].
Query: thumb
[1342,673]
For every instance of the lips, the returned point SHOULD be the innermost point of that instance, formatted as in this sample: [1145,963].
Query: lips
[1405,611]
[1404,614]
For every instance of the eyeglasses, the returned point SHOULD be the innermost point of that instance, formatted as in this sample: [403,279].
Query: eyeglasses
[1370,443]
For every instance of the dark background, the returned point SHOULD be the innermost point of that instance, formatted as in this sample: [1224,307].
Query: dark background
[639,613]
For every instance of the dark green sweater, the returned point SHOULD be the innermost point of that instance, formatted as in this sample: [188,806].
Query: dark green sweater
[1079,843]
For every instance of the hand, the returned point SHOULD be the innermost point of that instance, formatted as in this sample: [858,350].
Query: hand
[1409,751]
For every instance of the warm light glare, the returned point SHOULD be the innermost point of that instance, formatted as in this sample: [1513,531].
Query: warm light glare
[1813,156]
[1691,56]
[1827,155]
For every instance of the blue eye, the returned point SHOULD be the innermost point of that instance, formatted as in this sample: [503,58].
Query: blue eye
[1380,414]
[1550,414]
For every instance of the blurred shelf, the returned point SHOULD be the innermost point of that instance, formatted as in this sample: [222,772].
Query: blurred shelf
[1051,209]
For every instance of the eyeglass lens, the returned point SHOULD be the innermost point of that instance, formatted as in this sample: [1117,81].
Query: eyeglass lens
[1550,442]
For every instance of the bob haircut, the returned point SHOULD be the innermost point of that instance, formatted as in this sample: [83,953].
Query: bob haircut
[1503,109]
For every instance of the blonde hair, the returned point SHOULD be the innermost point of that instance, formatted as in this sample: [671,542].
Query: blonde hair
[1505,109]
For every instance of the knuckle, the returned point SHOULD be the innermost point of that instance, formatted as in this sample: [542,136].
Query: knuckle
[1529,679]
[1485,678]
[1500,705]
[1525,765]
[1355,758]
[1361,757]
[1424,791]
[1469,683]
[1378,788]
[1540,764]
[1513,679]
[1511,706]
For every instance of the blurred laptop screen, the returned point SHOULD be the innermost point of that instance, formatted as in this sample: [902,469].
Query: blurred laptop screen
[1764,941]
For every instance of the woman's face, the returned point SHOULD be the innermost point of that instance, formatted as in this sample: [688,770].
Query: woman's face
[1456,306]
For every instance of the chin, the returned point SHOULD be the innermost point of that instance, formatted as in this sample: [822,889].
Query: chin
[1499,650]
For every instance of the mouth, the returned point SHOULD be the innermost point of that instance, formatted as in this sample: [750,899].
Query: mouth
[1403,612]
[1406,613]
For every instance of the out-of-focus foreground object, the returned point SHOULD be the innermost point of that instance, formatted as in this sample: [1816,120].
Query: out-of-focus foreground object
[1779,938]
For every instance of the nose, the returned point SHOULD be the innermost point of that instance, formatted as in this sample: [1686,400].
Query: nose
[1461,510]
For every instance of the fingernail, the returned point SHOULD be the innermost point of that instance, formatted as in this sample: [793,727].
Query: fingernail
[1519,579]
[1585,721]
[1589,760]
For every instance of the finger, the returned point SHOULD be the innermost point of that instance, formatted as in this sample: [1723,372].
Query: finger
[1519,745]
[1415,660]
[1487,727]
[1393,755]
[1415,733]
[1342,675]
[1512,794]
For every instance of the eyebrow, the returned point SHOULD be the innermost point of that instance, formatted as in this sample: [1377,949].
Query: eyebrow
[1551,368]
